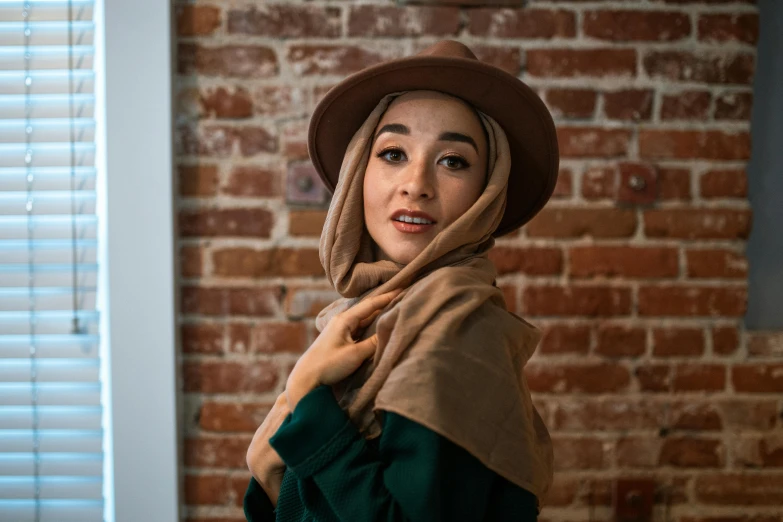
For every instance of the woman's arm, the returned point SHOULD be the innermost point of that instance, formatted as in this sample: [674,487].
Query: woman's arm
[415,475]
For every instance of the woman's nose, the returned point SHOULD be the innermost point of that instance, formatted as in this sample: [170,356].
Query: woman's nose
[417,181]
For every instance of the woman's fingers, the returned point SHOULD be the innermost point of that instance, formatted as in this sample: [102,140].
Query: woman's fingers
[354,315]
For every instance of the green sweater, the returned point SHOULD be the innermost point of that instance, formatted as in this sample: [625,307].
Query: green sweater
[408,473]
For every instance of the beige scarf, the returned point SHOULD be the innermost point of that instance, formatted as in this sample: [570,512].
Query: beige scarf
[450,356]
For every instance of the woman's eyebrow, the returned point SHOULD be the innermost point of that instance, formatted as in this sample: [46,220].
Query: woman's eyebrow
[456,136]
[399,128]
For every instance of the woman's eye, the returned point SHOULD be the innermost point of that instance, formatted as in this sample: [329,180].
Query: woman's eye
[393,155]
[455,162]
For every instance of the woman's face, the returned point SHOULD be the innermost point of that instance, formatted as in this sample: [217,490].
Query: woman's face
[429,155]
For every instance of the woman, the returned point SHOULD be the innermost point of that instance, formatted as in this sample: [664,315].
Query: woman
[412,403]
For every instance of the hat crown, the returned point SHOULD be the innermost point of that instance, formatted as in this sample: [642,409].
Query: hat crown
[448,49]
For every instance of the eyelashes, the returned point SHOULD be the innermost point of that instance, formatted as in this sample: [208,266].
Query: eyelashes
[462,162]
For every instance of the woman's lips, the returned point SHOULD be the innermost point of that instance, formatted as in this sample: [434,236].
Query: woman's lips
[412,228]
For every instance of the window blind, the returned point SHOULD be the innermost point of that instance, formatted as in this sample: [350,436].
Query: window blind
[51,438]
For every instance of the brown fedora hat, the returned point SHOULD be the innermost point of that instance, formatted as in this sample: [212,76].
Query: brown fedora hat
[450,67]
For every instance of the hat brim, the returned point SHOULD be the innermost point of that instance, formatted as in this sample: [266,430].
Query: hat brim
[519,111]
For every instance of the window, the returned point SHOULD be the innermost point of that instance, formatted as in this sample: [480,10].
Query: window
[87,359]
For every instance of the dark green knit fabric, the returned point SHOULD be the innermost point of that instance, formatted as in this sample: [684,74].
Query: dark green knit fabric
[409,473]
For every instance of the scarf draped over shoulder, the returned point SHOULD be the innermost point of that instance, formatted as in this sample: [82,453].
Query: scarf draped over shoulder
[450,356]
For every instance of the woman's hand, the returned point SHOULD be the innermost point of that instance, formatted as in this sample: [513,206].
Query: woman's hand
[335,355]
[265,464]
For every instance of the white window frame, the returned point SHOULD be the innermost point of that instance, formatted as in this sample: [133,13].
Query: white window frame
[136,259]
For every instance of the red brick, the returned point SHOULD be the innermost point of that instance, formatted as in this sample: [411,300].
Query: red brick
[623,261]
[744,414]
[599,182]
[629,191]
[564,186]
[309,60]
[734,106]
[697,223]
[279,100]
[223,141]
[629,104]
[765,344]
[686,105]
[197,20]
[216,452]
[530,260]
[191,261]
[247,338]
[669,342]
[733,27]
[699,377]
[740,489]
[286,21]
[693,144]
[213,489]
[637,452]
[508,59]
[636,26]
[674,183]
[565,338]
[229,377]
[612,414]
[522,23]
[686,452]
[232,417]
[758,378]
[724,183]
[701,66]
[690,415]
[654,377]
[579,222]
[574,63]
[221,301]
[374,21]
[306,223]
[221,102]
[578,453]
[272,262]
[203,338]
[240,61]
[620,341]
[307,301]
[708,301]
[716,262]
[725,340]
[582,300]
[571,103]
[226,222]
[252,181]
[593,142]
[577,378]
[197,180]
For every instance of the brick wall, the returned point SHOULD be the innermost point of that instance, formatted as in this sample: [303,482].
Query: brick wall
[635,271]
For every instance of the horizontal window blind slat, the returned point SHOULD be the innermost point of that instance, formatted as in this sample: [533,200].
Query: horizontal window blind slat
[51,441]
[50,417]
[21,58]
[58,251]
[20,299]
[73,346]
[52,511]
[46,33]
[44,276]
[47,10]
[13,106]
[48,130]
[47,178]
[52,464]
[47,227]
[50,394]
[23,488]
[50,370]
[46,154]
[60,82]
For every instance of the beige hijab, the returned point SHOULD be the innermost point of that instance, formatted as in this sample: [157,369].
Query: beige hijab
[450,356]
